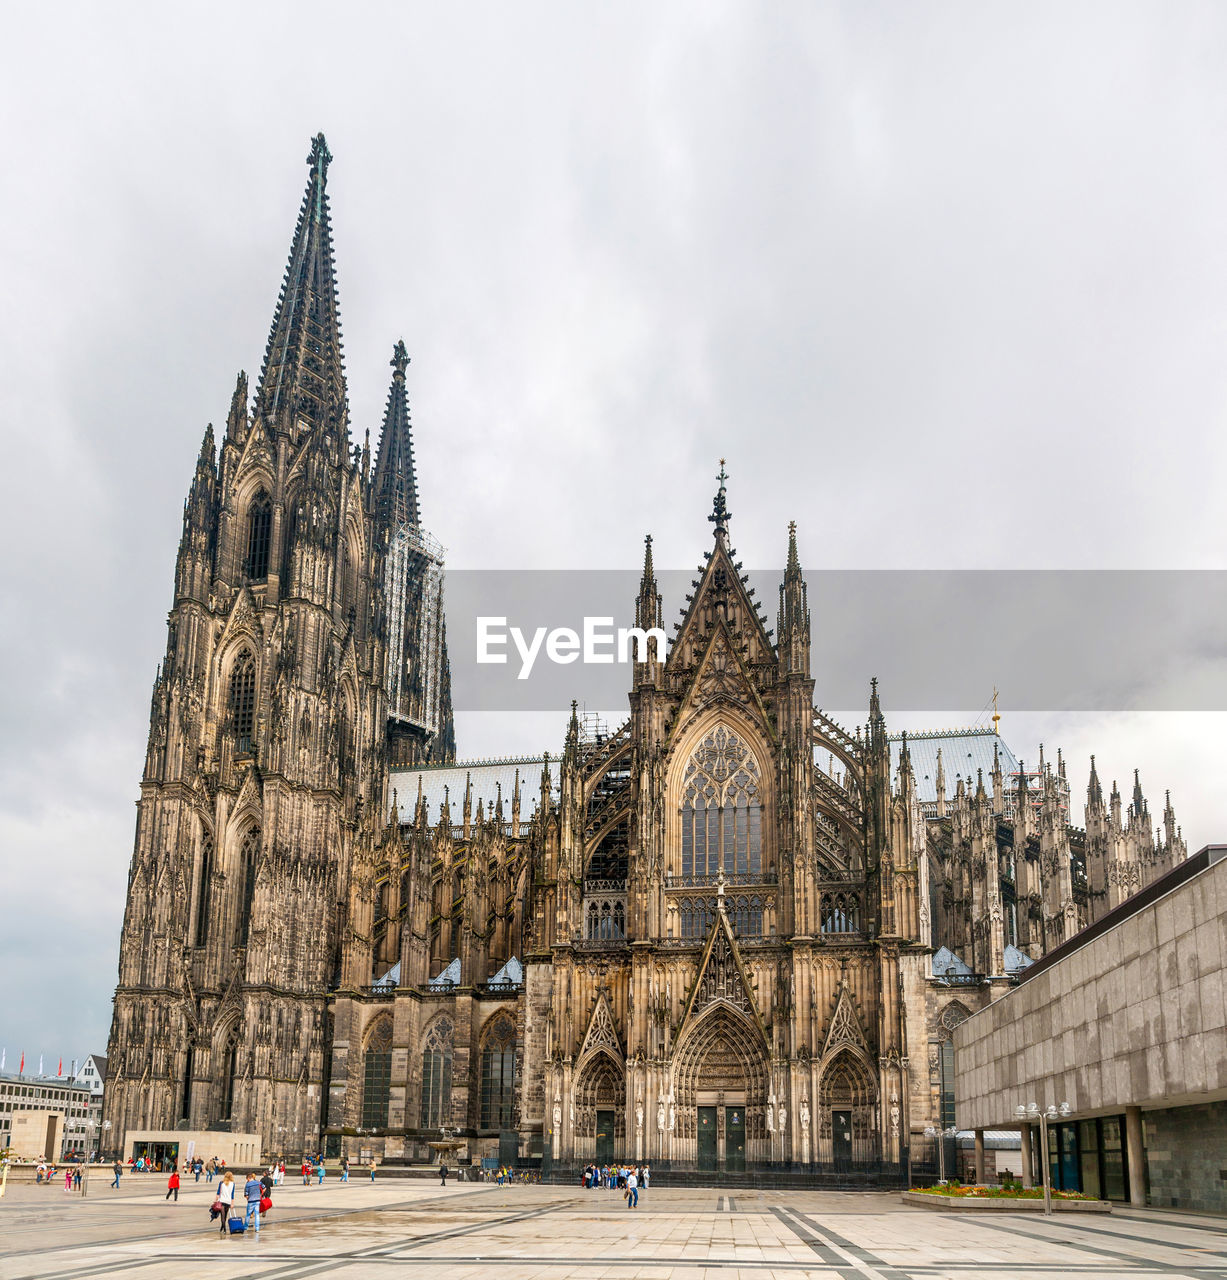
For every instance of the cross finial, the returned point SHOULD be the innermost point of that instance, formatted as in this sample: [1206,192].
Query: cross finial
[400,359]
[720,512]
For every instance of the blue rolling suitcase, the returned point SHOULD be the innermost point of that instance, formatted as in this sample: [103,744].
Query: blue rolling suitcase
[237,1226]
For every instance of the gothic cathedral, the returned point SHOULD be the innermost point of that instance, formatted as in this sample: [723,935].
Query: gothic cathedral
[728,935]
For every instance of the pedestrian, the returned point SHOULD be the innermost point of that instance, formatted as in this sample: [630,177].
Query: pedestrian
[225,1196]
[68,1179]
[320,1171]
[76,1178]
[172,1185]
[632,1190]
[306,1171]
[254,1193]
[647,1176]
[443,1174]
[198,1169]
[344,1168]
[210,1168]
[372,1168]
[118,1168]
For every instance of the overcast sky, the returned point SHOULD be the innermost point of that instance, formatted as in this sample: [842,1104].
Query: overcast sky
[947,284]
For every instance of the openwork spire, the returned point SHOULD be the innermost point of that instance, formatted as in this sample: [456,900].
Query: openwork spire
[396,489]
[303,379]
[721,515]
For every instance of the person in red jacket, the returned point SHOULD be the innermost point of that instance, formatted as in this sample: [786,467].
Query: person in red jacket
[172,1187]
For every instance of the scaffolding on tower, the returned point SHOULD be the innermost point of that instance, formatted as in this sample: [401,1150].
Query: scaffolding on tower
[416,639]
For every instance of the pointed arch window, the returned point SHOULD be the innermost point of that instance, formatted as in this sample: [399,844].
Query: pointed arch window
[722,816]
[249,854]
[204,884]
[259,534]
[437,1074]
[840,913]
[230,1071]
[242,701]
[377,1075]
[498,1074]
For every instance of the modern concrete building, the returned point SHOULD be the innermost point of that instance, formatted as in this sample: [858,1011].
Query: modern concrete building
[22,1094]
[37,1135]
[164,1146]
[1127,1024]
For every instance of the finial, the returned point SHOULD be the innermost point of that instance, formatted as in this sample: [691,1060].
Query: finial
[996,715]
[320,155]
[400,360]
[720,512]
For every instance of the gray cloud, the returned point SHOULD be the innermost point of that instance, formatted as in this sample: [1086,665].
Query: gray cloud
[944,283]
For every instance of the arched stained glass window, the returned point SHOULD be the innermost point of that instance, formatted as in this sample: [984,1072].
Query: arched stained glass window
[841,913]
[437,1074]
[242,701]
[377,1075]
[498,1074]
[204,884]
[722,814]
[259,533]
[249,855]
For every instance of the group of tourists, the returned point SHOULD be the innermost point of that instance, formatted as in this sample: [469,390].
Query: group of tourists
[629,1179]
[257,1194]
[47,1173]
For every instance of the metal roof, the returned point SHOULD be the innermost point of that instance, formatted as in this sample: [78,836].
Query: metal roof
[485,776]
[964,751]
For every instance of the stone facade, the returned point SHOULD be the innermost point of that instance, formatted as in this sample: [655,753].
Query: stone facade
[706,938]
[1185,1157]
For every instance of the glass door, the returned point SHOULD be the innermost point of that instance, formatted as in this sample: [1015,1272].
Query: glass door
[604,1137]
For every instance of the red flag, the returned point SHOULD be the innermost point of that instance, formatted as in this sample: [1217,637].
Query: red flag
[21,1069]
[59,1071]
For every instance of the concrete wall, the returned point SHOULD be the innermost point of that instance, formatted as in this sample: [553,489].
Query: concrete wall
[37,1135]
[1135,1017]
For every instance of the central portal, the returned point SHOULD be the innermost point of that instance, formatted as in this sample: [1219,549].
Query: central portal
[710,1132]
[604,1137]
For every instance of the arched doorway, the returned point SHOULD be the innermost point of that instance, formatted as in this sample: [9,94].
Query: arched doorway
[600,1110]
[720,1074]
[847,1111]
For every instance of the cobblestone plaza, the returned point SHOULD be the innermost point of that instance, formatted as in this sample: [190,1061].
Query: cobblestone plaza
[527,1232]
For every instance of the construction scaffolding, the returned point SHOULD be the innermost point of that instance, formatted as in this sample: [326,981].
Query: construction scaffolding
[413,587]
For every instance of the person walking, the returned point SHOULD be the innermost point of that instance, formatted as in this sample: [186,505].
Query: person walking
[632,1190]
[198,1168]
[172,1184]
[344,1168]
[372,1168]
[118,1169]
[320,1171]
[306,1171]
[210,1169]
[443,1174]
[254,1193]
[225,1194]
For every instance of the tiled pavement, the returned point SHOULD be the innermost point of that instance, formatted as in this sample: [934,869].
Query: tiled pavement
[525,1233]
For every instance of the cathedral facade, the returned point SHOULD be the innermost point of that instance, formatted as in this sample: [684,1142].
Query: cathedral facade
[729,934]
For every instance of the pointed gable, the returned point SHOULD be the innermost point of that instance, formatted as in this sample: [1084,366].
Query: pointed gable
[845,1031]
[722,978]
[602,1034]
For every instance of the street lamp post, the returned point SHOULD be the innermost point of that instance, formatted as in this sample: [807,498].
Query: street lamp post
[103,1138]
[1032,1114]
[941,1135]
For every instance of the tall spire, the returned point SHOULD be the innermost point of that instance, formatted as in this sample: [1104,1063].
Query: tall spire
[303,378]
[792,623]
[396,487]
[720,513]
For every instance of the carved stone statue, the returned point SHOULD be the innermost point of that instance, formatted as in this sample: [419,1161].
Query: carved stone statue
[783,1117]
[660,1116]
[639,1113]
[557,1114]
[804,1114]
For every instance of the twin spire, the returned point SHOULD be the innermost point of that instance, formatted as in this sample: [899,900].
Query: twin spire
[303,378]
[302,383]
